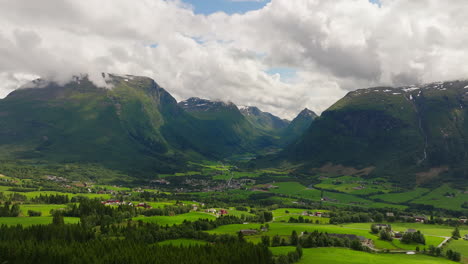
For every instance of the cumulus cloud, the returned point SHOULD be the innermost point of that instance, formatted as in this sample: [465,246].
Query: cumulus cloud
[333,46]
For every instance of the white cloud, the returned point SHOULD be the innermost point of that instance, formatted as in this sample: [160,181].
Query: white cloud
[335,46]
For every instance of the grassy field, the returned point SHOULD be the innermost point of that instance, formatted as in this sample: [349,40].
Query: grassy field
[234,212]
[182,242]
[347,256]
[461,246]
[43,208]
[438,198]
[354,185]
[280,215]
[27,221]
[175,220]
[433,230]
[285,230]
[298,190]
[401,197]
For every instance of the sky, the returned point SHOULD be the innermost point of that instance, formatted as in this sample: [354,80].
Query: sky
[279,55]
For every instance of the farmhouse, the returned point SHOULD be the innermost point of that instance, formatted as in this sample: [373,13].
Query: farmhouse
[223,212]
[247,232]
[390,214]
[398,235]
[463,220]
[144,205]
[383,226]
[420,218]
[213,211]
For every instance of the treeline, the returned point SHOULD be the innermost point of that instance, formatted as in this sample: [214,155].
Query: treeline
[78,243]
[316,239]
[92,212]
[168,210]
[437,252]
[15,197]
[9,210]
[301,219]
[416,237]
[151,233]
[51,199]
[115,251]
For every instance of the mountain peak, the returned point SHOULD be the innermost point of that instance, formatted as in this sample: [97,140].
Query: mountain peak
[307,113]
[197,104]
[250,110]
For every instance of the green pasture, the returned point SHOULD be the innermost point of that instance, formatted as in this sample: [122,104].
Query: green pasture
[354,185]
[175,220]
[298,190]
[426,229]
[461,246]
[401,197]
[347,256]
[285,230]
[43,208]
[438,198]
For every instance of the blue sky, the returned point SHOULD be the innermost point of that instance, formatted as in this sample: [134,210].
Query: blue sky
[207,7]
[228,6]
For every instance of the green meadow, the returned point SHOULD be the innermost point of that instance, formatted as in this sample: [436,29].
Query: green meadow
[432,230]
[43,208]
[285,230]
[401,197]
[296,189]
[175,220]
[438,198]
[347,256]
[461,246]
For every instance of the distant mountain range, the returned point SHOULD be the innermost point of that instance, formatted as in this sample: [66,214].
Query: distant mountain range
[136,126]
[413,134]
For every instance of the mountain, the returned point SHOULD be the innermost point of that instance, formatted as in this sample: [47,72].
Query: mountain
[263,120]
[135,127]
[415,135]
[226,127]
[298,126]
[81,123]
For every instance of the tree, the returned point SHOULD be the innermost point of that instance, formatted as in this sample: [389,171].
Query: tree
[385,235]
[276,241]
[268,216]
[456,233]
[34,213]
[58,218]
[266,240]
[240,236]
[294,238]
[374,229]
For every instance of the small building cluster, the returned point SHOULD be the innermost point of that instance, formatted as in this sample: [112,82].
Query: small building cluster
[317,214]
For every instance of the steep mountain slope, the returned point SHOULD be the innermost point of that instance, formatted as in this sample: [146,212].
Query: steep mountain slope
[135,127]
[411,134]
[298,126]
[263,120]
[225,126]
[79,122]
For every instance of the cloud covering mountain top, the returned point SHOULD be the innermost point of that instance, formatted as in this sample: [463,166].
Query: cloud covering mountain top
[327,47]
